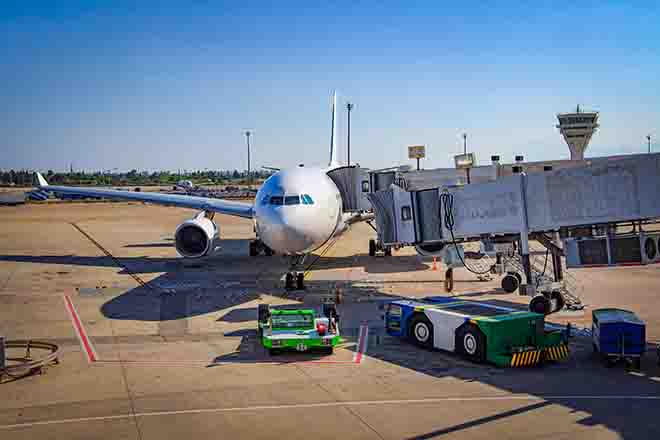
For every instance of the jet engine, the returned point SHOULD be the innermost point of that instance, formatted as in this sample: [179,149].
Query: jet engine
[196,237]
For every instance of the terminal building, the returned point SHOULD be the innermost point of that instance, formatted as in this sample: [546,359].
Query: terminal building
[577,128]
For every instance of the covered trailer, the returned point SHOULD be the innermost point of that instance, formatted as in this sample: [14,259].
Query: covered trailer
[478,331]
[618,335]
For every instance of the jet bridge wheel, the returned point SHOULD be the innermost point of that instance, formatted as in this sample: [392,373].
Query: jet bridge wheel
[510,283]
[300,281]
[420,331]
[471,342]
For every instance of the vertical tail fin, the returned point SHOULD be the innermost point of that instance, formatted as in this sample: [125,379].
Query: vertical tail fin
[333,134]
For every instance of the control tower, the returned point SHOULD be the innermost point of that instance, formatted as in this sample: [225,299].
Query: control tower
[577,129]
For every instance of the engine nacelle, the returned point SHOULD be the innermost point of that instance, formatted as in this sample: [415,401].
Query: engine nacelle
[195,238]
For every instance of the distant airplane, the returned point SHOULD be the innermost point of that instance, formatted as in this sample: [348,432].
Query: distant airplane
[296,211]
[185,185]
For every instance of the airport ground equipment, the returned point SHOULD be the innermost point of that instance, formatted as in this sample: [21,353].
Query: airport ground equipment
[603,194]
[298,329]
[26,356]
[480,332]
[618,335]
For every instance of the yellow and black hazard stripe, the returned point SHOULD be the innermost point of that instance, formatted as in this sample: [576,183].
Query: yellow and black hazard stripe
[555,353]
[525,358]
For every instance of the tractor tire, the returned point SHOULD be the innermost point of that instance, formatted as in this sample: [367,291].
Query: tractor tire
[471,343]
[510,283]
[372,248]
[420,331]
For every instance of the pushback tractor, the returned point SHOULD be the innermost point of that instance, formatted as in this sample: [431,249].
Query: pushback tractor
[480,332]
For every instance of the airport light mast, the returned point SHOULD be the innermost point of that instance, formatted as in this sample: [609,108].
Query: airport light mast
[648,138]
[248,133]
[349,107]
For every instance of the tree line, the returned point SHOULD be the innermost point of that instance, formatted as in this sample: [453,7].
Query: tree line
[133,177]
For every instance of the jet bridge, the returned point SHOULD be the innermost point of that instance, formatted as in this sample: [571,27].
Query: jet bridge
[353,185]
[608,192]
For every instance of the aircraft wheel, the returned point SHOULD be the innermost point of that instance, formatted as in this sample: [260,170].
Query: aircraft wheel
[288,281]
[509,283]
[268,251]
[372,248]
[300,281]
[421,331]
[388,251]
[253,249]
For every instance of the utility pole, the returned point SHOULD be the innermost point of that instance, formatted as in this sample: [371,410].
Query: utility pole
[648,138]
[467,170]
[349,107]
[248,133]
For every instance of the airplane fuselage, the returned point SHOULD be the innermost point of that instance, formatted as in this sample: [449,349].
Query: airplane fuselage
[296,211]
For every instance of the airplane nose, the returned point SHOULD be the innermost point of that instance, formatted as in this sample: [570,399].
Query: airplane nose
[289,233]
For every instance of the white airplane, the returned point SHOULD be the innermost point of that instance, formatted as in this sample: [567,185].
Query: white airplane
[185,185]
[296,211]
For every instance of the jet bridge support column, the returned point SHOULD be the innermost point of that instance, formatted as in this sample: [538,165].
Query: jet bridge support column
[524,241]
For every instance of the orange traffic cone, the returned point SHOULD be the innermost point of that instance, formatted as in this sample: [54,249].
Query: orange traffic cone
[435,265]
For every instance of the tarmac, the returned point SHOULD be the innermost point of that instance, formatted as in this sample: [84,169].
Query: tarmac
[154,346]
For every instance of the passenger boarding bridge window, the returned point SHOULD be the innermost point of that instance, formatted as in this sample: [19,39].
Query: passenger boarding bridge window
[406,213]
[292,200]
[277,200]
[365,186]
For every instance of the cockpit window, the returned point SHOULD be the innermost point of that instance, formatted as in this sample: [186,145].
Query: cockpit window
[307,200]
[277,200]
[292,200]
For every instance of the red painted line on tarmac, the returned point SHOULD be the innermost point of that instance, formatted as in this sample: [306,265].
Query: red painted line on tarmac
[85,343]
[362,344]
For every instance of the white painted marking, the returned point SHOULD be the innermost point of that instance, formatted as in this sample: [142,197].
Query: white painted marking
[324,405]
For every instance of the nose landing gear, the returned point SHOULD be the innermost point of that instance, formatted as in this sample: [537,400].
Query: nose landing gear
[294,279]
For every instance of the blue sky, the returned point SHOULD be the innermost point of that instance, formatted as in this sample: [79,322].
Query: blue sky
[172,85]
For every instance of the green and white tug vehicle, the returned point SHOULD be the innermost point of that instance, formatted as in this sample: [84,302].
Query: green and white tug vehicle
[298,329]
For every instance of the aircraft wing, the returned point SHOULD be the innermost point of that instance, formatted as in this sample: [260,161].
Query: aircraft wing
[237,209]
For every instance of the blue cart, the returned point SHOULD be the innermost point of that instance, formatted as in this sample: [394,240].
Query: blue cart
[618,335]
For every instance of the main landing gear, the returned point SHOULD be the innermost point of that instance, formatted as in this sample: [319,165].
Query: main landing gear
[257,247]
[294,279]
